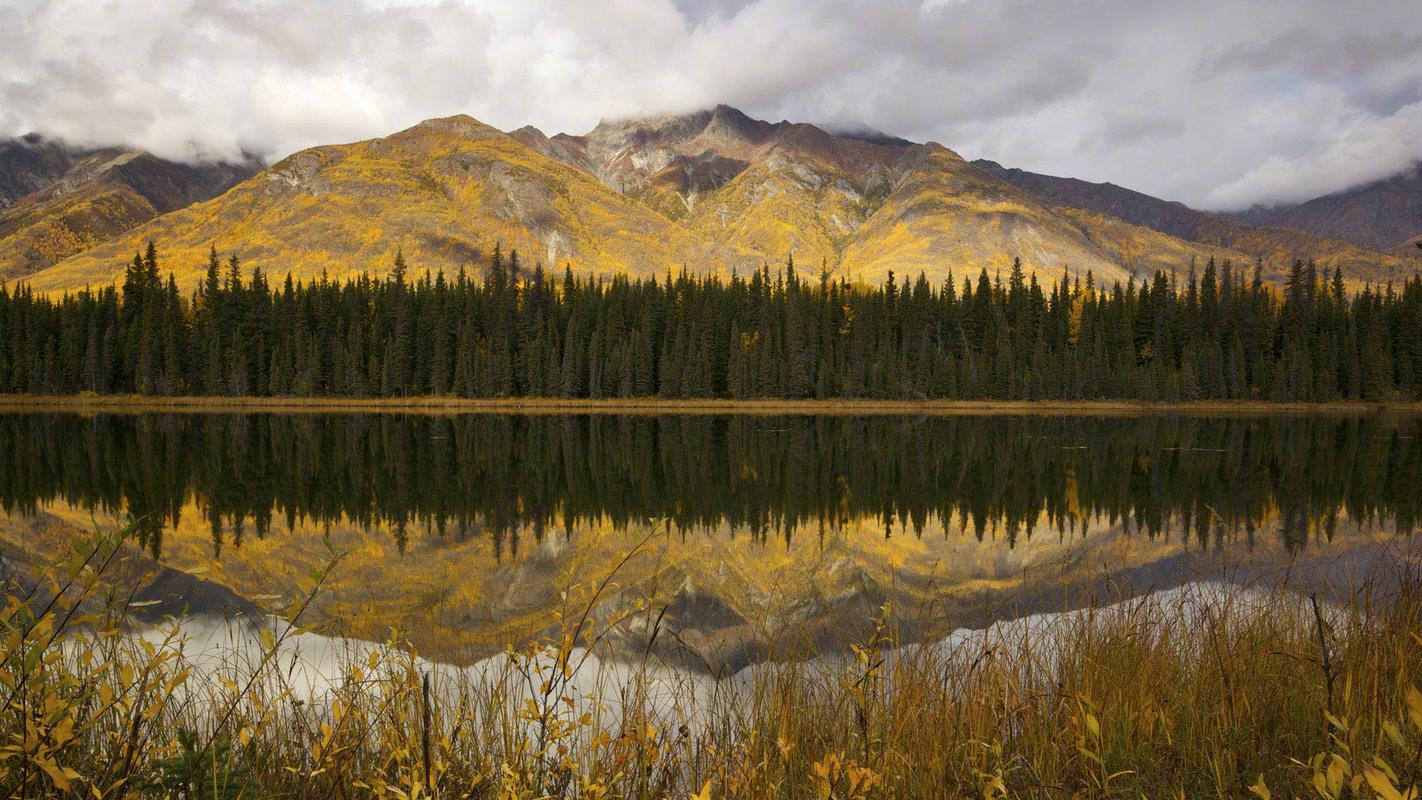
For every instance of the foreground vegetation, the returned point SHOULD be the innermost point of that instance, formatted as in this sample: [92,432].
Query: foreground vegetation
[1207,335]
[1221,693]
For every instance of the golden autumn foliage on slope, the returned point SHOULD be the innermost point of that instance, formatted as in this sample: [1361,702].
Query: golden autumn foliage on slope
[445,191]
[92,196]
[34,235]
[712,191]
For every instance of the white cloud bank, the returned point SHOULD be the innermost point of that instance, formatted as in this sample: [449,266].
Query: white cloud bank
[1217,103]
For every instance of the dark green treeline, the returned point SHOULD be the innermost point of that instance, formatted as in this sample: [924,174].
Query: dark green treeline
[510,477]
[516,332]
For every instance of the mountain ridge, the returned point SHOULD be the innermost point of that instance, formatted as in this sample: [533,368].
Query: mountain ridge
[1272,243]
[712,191]
[426,190]
[1384,215]
[59,201]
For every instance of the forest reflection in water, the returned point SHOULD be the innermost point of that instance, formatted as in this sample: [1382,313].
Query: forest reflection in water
[468,523]
[509,477]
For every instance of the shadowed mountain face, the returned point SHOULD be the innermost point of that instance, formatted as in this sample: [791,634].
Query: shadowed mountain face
[1273,241]
[710,191]
[1383,215]
[56,201]
[31,163]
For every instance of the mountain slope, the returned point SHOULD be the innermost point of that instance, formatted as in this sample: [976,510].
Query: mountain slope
[444,191]
[860,206]
[1382,215]
[31,163]
[776,189]
[712,191]
[948,212]
[1277,246]
[98,195]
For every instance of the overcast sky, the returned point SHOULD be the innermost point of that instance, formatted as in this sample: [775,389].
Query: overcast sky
[1219,103]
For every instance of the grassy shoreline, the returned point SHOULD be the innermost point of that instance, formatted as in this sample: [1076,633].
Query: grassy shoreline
[1216,693]
[652,405]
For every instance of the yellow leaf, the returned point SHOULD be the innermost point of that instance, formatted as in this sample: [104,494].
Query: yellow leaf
[704,794]
[1394,734]
[1414,708]
[1336,773]
[1260,790]
[1093,726]
[1381,783]
[61,780]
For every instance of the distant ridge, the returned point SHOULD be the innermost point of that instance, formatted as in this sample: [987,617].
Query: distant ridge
[57,200]
[1383,215]
[1274,244]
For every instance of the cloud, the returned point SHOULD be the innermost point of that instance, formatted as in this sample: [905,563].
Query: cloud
[1121,127]
[1304,52]
[1364,152]
[1215,102]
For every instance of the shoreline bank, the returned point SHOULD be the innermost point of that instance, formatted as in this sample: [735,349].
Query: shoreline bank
[658,406]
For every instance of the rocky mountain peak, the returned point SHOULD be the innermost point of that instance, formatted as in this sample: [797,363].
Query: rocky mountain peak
[459,125]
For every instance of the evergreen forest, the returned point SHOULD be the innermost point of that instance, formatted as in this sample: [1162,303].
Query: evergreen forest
[1216,332]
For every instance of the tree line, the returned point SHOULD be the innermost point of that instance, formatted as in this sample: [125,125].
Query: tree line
[1215,333]
[511,479]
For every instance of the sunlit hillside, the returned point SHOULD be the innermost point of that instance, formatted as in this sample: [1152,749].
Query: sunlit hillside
[713,192]
[445,192]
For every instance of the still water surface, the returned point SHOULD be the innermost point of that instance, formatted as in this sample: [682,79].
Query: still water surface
[744,535]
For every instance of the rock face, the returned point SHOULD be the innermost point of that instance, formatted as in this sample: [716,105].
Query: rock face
[56,201]
[1383,215]
[712,191]
[31,163]
[170,592]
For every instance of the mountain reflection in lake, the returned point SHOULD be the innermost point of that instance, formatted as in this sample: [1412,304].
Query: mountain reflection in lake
[464,532]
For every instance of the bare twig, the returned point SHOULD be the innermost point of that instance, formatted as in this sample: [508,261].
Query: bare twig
[1325,660]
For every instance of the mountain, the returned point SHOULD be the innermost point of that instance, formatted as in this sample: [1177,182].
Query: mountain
[31,163]
[1383,215]
[858,204]
[711,191]
[1276,245]
[444,192]
[57,201]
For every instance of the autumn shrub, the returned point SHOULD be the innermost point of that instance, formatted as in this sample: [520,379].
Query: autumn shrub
[1204,691]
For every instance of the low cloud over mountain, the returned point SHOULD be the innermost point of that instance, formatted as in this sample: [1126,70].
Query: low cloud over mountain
[1218,104]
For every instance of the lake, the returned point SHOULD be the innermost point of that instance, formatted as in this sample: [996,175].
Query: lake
[721,540]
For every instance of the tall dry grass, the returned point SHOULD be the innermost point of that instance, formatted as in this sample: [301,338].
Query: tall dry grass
[1202,692]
